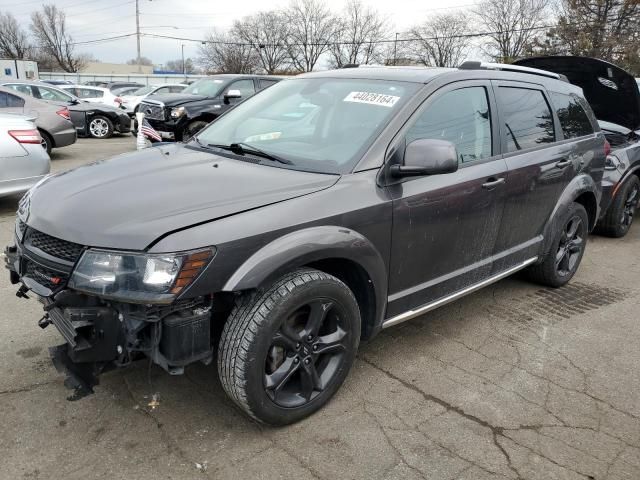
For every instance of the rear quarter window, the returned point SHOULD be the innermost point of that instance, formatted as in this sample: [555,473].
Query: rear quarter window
[574,120]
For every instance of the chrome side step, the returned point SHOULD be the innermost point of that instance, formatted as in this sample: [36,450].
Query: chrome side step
[403,317]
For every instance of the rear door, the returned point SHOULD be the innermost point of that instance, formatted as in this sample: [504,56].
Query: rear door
[539,167]
[445,226]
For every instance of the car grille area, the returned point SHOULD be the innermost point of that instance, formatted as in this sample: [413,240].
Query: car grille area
[152,111]
[53,246]
[47,277]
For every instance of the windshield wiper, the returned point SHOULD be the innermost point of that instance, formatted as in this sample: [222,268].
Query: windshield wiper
[242,148]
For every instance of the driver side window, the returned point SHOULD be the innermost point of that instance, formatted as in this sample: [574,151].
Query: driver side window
[246,88]
[461,117]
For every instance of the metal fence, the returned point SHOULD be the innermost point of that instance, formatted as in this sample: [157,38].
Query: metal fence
[116,77]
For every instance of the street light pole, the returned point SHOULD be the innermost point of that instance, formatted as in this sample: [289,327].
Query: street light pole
[138,34]
[395,50]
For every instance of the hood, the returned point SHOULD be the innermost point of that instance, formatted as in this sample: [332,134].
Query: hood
[129,201]
[92,107]
[611,91]
[175,99]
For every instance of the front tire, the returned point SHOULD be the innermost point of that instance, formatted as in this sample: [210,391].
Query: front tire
[617,221]
[286,350]
[192,129]
[100,127]
[561,263]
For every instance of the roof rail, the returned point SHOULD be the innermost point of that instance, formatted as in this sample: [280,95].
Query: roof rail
[474,65]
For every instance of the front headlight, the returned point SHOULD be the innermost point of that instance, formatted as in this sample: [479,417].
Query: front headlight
[138,277]
[177,112]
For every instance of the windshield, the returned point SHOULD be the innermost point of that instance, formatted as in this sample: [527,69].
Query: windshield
[209,87]
[143,90]
[318,124]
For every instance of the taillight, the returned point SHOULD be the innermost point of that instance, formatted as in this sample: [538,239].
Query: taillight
[117,100]
[26,136]
[64,113]
[607,148]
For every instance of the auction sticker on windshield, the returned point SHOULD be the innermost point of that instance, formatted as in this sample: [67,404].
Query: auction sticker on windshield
[372,98]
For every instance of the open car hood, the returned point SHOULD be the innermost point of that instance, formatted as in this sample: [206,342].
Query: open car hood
[611,91]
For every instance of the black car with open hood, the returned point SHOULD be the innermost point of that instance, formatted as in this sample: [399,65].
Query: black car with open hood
[614,96]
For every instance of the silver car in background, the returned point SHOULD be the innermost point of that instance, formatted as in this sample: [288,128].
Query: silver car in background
[23,161]
[52,119]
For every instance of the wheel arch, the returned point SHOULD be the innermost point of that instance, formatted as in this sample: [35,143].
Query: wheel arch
[338,251]
[49,136]
[583,190]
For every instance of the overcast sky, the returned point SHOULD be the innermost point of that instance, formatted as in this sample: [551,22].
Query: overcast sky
[90,20]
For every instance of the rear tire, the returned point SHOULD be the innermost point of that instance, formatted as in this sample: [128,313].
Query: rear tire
[617,221]
[561,263]
[47,142]
[286,350]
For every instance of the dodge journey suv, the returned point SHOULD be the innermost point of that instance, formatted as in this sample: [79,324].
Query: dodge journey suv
[305,220]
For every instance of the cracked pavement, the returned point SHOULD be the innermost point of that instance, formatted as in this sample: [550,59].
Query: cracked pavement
[513,382]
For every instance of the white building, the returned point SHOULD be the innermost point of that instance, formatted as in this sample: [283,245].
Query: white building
[18,69]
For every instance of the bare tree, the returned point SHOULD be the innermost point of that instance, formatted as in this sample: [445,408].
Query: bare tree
[143,61]
[222,53]
[312,28]
[511,25]
[267,33]
[50,31]
[607,29]
[176,66]
[358,31]
[14,42]
[440,41]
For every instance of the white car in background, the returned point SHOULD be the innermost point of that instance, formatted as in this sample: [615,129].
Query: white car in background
[93,94]
[23,161]
[131,101]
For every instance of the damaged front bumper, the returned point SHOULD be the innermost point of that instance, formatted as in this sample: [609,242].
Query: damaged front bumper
[102,335]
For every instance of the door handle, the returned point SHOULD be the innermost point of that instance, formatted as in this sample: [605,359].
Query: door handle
[563,163]
[493,183]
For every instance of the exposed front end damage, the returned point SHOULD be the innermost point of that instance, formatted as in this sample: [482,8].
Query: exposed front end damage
[102,334]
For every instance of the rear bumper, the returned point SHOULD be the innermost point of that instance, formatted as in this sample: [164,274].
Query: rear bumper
[64,138]
[123,124]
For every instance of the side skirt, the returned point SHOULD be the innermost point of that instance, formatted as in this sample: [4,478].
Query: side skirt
[403,317]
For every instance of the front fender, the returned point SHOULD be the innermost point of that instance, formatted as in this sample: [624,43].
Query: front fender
[579,185]
[310,245]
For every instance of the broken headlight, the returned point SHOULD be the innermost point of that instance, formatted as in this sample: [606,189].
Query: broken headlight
[138,277]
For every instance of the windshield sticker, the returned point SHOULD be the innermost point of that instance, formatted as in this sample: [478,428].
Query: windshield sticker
[372,98]
[263,137]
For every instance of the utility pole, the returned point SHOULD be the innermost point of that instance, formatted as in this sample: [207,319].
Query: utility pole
[395,50]
[184,68]
[138,33]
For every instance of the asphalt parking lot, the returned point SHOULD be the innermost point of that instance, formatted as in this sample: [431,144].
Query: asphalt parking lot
[515,381]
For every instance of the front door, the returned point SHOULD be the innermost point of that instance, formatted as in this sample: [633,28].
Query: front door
[445,226]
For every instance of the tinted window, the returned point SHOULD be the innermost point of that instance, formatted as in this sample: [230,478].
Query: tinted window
[246,87]
[176,89]
[266,83]
[527,118]
[573,119]
[461,117]
[8,101]
[89,93]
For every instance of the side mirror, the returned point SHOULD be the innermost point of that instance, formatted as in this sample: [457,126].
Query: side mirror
[232,94]
[427,157]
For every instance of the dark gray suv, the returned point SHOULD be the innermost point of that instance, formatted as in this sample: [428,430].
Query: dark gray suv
[305,220]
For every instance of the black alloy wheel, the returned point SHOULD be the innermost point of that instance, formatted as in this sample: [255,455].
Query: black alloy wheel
[618,218]
[285,350]
[630,205]
[558,266]
[306,353]
[571,246]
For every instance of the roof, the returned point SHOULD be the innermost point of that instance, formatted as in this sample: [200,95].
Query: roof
[400,74]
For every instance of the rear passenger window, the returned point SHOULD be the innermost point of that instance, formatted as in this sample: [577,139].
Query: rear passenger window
[461,117]
[13,101]
[266,83]
[527,118]
[573,119]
